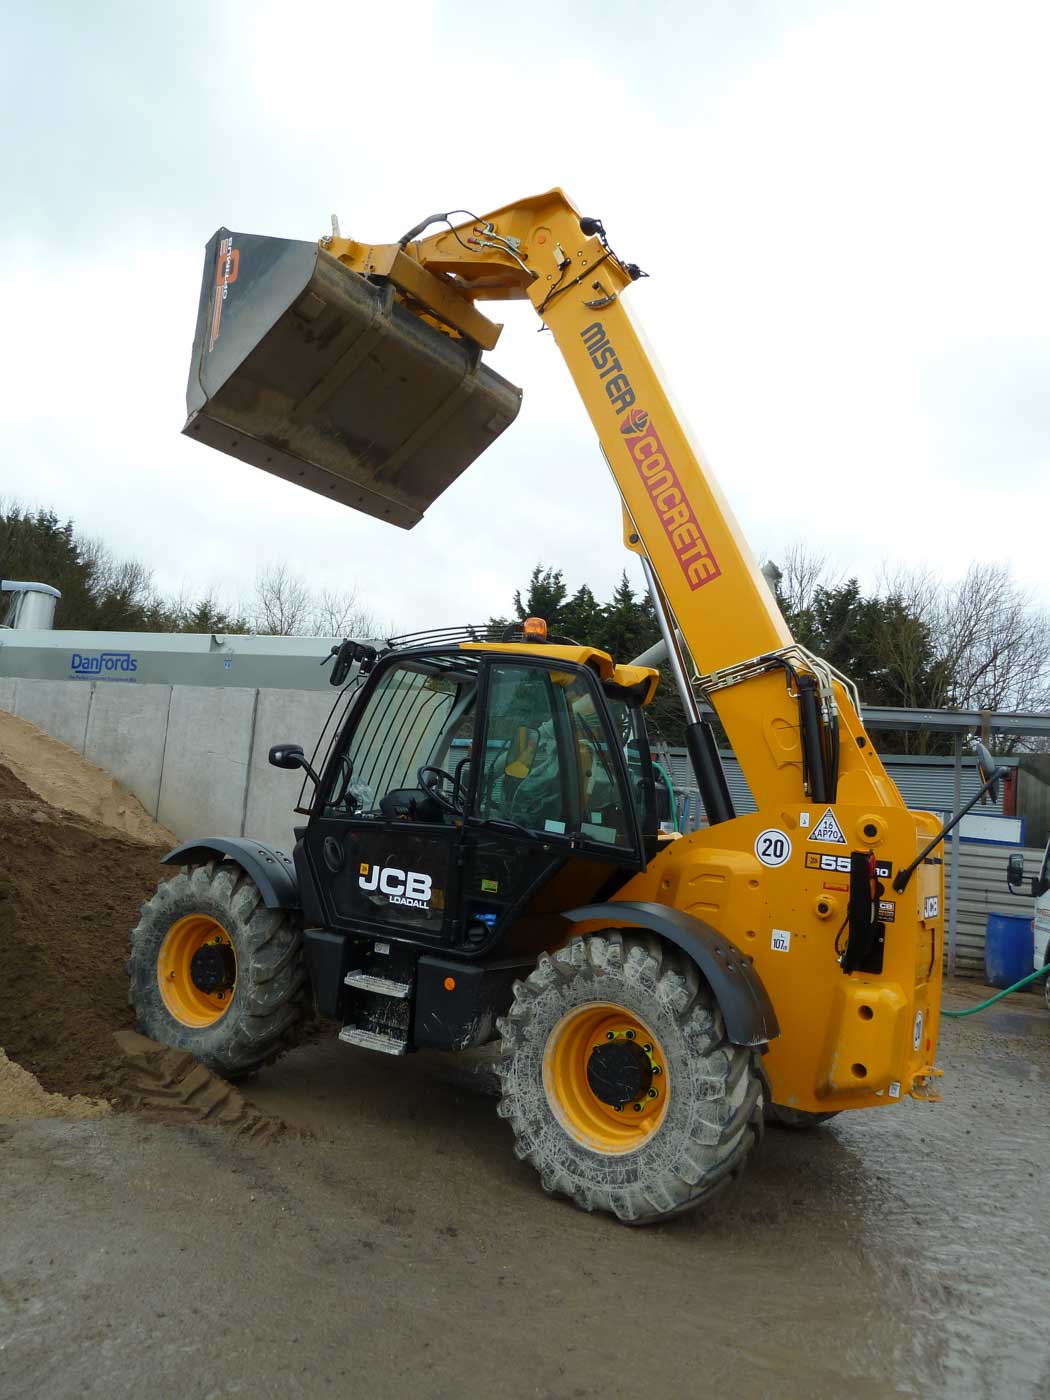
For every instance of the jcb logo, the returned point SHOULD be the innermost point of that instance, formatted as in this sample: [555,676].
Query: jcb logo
[401,886]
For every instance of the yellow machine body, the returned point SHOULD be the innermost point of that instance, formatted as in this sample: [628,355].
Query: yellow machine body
[771,883]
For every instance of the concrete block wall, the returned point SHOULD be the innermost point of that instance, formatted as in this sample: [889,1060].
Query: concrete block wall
[194,756]
[281,716]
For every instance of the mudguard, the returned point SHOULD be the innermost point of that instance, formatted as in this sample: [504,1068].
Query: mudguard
[272,871]
[741,993]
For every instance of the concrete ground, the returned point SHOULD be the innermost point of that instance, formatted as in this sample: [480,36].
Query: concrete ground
[402,1250]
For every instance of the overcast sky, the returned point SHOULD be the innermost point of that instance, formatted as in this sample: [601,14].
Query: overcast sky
[844,209]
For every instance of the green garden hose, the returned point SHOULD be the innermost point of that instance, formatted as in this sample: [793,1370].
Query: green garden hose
[973,1010]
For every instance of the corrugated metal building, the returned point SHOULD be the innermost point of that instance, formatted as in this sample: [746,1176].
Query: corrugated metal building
[926,784]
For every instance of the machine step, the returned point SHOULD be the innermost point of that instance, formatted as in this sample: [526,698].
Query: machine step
[370,1040]
[381,986]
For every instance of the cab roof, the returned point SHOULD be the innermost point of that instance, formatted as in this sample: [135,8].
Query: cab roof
[598,660]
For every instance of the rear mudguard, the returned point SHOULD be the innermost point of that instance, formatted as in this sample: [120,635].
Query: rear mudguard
[740,992]
[272,871]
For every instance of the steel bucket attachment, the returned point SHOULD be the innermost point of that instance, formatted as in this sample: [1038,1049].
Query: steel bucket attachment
[310,371]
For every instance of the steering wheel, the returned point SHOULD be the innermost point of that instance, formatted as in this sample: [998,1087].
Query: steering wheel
[432,790]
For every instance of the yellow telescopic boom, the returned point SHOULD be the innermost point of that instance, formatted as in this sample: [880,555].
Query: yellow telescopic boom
[370,390]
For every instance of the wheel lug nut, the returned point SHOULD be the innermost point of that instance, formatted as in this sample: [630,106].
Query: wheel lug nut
[652,1093]
[657,1069]
[648,1049]
[610,1035]
[630,1035]
[638,1108]
[618,1107]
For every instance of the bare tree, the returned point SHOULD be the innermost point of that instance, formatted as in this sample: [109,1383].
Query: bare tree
[280,605]
[990,641]
[342,615]
[996,642]
[802,574]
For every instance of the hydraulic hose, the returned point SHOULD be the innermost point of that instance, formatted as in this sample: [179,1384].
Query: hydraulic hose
[981,1005]
[662,771]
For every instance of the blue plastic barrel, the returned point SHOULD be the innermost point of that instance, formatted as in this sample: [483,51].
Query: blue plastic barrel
[1007,949]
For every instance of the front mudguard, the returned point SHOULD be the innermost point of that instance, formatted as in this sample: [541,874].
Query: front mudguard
[273,871]
[740,992]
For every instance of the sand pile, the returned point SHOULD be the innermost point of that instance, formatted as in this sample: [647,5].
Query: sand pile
[62,778]
[78,857]
[21,1096]
[70,892]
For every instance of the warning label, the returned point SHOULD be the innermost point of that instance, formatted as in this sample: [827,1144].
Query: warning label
[828,829]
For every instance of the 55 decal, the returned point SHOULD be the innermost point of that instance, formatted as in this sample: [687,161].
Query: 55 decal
[840,864]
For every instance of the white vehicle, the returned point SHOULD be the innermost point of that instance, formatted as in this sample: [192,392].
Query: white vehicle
[1040,888]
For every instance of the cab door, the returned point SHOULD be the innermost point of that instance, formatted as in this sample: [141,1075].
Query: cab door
[384,852]
[551,820]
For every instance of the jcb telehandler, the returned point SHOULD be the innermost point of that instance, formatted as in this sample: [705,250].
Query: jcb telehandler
[481,854]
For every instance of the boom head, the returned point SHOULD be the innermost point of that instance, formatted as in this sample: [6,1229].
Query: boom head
[311,371]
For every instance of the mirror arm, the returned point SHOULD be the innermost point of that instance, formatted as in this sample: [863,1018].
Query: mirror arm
[308,768]
[900,883]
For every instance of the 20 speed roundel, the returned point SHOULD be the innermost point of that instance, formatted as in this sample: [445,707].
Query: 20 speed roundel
[772,847]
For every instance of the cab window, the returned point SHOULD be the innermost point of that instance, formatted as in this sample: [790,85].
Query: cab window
[603,816]
[522,778]
[421,713]
[628,722]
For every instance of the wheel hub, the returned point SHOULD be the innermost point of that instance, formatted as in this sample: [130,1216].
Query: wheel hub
[197,970]
[606,1077]
[213,968]
[619,1072]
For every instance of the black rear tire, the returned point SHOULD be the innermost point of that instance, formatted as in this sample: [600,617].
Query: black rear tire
[796,1118]
[713,1116]
[267,1002]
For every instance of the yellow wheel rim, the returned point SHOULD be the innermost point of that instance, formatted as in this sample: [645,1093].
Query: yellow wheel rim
[186,1001]
[586,1117]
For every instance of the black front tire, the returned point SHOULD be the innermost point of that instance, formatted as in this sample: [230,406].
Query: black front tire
[268,1001]
[714,1113]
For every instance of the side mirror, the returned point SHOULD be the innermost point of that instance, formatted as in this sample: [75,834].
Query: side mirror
[1015,869]
[292,756]
[288,756]
[346,653]
[987,768]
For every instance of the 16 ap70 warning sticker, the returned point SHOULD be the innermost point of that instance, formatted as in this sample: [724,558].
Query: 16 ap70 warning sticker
[772,847]
[828,830]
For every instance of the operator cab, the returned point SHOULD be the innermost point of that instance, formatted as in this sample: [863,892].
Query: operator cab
[475,785]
